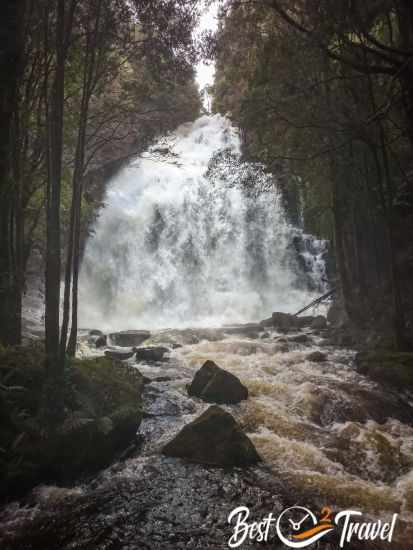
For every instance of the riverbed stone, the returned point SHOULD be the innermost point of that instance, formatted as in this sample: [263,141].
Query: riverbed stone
[129,338]
[251,330]
[101,341]
[266,323]
[216,385]
[319,322]
[299,339]
[95,332]
[151,354]
[119,355]
[283,321]
[316,357]
[214,439]
[304,321]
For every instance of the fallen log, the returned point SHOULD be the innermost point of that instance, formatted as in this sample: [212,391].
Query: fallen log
[316,301]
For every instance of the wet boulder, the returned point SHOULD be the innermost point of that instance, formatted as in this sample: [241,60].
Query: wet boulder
[316,357]
[283,321]
[319,322]
[299,339]
[129,338]
[95,332]
[151,354]
[101,341]
[215,385]
[119,355]
[250,330]
[304,321]
[215,439]
[266,323]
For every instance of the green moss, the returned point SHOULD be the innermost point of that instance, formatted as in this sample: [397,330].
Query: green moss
[102,413]
[106,385]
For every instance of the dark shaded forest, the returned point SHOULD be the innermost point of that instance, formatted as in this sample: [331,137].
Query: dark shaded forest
[85,85]
[323,94]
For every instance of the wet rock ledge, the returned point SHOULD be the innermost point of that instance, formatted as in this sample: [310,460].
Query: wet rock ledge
[102,413]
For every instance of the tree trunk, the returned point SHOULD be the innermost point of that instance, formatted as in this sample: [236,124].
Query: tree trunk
[55,150]
[11,27]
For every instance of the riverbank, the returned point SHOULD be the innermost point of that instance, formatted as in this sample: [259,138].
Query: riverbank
[60,433]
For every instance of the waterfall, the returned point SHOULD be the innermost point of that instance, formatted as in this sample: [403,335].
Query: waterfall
[180,244]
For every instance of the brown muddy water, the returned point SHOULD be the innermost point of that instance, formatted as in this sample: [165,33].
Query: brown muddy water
[327,435]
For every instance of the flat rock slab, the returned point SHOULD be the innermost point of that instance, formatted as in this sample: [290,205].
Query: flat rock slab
[215,385]
[215,439]
[129,338]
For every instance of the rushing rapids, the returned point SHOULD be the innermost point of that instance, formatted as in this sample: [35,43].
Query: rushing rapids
[173,247]
[328,436]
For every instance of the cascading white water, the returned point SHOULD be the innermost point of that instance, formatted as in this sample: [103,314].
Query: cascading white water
[173,247]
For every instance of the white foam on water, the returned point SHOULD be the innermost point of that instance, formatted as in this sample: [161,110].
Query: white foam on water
[174,248]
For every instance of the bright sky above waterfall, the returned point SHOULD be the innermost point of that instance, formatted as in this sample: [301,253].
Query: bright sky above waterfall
[205,73]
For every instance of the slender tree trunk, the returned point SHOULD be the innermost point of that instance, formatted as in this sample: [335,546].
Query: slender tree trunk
[55,151]
[76,210]
[11,26]
[76,266]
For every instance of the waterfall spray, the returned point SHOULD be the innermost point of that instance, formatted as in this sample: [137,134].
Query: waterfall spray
[173,247]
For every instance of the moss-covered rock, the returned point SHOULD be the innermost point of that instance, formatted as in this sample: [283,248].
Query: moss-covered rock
[388,367]
[102,413]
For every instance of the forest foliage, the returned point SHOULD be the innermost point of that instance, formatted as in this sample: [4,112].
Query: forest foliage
[85,85]
[323,94]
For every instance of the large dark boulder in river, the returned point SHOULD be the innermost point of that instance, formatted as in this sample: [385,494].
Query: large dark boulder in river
[151,354]
[215,439]
[129,338]
[215,385]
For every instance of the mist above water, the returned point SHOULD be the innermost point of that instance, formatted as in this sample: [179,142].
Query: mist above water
[174,248]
